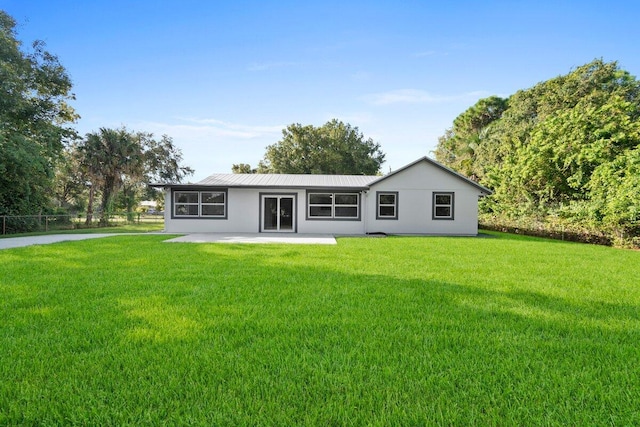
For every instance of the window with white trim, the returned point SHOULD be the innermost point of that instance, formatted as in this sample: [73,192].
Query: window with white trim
[200,204]
[320,205]
[443,205]
[387,205]
[212,203]
[186,203]
[325,205]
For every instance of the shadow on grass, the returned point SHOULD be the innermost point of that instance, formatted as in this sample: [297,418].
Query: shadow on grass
[126,332]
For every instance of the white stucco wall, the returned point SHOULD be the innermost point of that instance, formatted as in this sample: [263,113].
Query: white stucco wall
[243,216]
[415,187]
[241,203]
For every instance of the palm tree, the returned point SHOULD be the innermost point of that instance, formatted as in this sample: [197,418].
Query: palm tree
[118,159]
[109,156]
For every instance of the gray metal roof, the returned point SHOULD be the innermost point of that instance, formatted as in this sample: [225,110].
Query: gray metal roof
[288,180]
[350,182]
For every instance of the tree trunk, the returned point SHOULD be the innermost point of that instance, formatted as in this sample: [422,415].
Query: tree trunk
[130,213]
[90,206]
[106,202]
[129,193]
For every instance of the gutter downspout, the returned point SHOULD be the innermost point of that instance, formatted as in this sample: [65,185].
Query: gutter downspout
[365,222]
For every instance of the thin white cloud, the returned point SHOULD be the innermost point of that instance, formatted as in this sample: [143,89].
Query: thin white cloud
[211,145]
[236,127]
[425,53]
[199,129]
[416,96]
[264,66]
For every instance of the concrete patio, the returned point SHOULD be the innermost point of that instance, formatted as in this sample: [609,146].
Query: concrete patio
[290,238]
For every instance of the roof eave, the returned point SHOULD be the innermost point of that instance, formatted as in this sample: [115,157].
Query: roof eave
[263,187]
[482,188]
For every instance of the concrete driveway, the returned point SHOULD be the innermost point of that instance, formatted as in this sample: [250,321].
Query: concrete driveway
[18,242]
[305,239]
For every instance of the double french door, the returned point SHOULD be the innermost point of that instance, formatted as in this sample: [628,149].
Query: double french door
[278,213]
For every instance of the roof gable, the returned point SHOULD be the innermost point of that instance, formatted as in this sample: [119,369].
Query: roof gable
[440,166]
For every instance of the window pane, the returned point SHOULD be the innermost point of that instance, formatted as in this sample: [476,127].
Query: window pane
[270,216]
[212,197]
[323,211]
[388,211]
[443,211]
[191,210]
[346,199]
[443,199]
[320,198]
[182,197]
[213,210]
[387,199]
[343,212]
[286,213]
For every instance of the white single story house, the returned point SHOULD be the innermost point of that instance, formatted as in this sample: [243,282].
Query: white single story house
[423,197]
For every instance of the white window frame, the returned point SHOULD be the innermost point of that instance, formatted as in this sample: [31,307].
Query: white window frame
[333,205]
[176,204]
[319,205]
[346,205]
[223,203]
[449,205]
[379,205]
[199,204]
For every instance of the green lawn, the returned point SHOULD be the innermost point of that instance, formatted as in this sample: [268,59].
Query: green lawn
[141,227]
[501,330]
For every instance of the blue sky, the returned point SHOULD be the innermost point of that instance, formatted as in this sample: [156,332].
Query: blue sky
[223,78]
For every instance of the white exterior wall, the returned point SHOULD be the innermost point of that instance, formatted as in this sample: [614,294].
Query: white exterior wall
[240,205]
[243,216]
[330,226]
[415,187]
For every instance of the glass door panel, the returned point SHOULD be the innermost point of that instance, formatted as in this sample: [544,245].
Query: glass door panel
[278,213]
[270,220]
[286,213]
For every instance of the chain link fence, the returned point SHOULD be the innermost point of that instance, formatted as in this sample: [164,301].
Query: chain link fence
[12,224]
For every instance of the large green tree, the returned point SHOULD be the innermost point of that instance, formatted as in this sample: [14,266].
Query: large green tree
[615,194]
[120,160]
[464,146]
[336,148]
[108,157]
[554,135]
[161,163]
[566,148]
[34,116]
[69,190]
[243,168]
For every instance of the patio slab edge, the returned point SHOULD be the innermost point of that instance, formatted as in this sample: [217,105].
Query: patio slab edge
[260,238]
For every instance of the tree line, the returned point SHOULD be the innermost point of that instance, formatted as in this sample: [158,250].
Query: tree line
[563,153]
[45,166]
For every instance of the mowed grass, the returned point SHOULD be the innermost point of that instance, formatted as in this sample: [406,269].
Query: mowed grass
[141,227]
[374,331]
